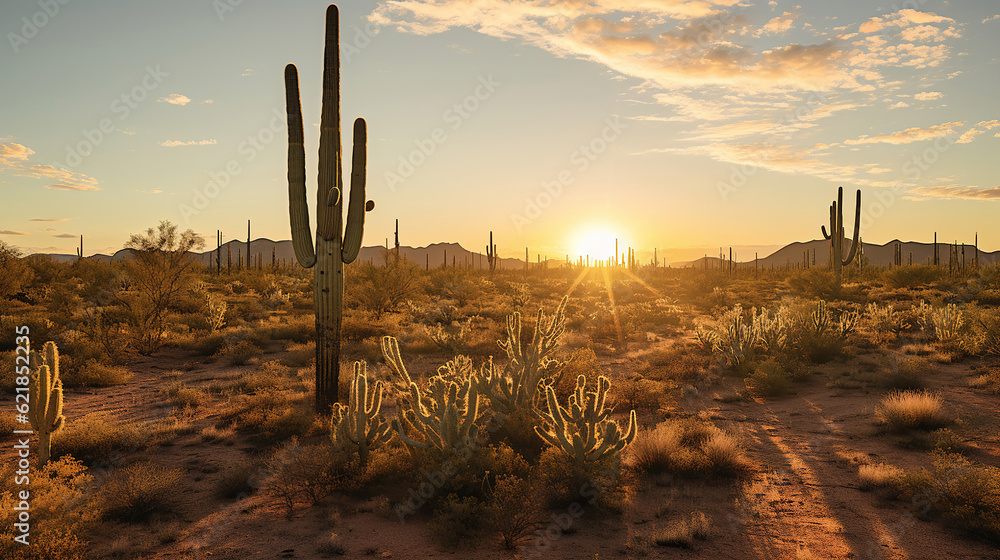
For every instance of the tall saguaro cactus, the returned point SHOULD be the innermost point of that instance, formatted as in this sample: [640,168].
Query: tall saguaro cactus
[491,254]
[45,400]
[334,245]
[836,235]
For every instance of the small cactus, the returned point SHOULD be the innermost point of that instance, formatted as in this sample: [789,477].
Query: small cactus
[359,425]
[45,399]
[583,429]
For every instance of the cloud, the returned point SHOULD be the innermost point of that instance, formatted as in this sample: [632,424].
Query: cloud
[208,101]
[777,25]
[928,95]
[909,135]
[175,143]
[14,160]
[957,191]
[66,236]
[12,232]
[248,72]
[979,128]
[176,99]
[991,18]
[899,105]
[49,220]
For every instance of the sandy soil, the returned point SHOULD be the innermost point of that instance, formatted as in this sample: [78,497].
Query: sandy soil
[802,500]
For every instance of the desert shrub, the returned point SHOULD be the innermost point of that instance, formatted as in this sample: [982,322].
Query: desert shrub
[299,355]
[61,511]
[138,491]
[688,448]
[565,482]
[819,283]
[684,531]
[241,479]
[883,323]
[681,363]
[96,374]
[459,521]
[240,353]
[769,379]
[879,476]
[269,375]
[183,396]
[963,494]
[379,289]
[635,393]
[297,329]
[514,510]
[902,372]
[912,276]
[907,410]
[98,437]
[311,474]
[271,414]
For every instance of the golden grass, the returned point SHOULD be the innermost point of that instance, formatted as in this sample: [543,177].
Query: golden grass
[906,410]
[879,476]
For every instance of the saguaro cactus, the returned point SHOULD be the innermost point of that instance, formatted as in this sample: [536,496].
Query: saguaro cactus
[836,235]
[334,246]
[491,254]
[359,425]
[45,399]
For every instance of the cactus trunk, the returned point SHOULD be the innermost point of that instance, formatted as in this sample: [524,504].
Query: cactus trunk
[334,245]
[836,234]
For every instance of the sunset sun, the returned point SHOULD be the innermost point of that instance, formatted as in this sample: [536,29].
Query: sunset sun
[597,243]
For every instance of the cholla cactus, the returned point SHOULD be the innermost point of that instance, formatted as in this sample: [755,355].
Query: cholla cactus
[737,337]
[583,429]
[453,338]
[216,311]
[45,399]
[444,415]
[771,330]
[947,322]
[821,321]
[516,388]
[359,426]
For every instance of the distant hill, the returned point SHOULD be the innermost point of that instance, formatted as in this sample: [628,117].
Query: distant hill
[433,255]
[793,254]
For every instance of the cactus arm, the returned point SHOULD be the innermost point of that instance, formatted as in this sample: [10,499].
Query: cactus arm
[358,205]
[390,350]
[297,207]
[857,231]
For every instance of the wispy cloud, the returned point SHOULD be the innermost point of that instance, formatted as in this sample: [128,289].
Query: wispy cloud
[909,135]
[175,143]
[49,220]
[176,99]
[12,232]
[991,18]
[14,159]
[979,128]
[248,72]
[928,95]
[65,236]
[957,191]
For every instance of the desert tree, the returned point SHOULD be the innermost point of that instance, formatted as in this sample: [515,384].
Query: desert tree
[158,270]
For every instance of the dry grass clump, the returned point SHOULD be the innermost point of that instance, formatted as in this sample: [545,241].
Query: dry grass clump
[912,410]
[97,437]
[182,396]
[684,531]
[879,476]
[689,448]
[95,374]
[241,353]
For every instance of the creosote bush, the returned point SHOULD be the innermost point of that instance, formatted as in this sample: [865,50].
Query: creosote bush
[911,410]
[138,491]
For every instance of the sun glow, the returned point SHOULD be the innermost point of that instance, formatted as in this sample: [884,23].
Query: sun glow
[597,244]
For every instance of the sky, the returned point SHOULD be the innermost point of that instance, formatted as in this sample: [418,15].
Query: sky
[681,125]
